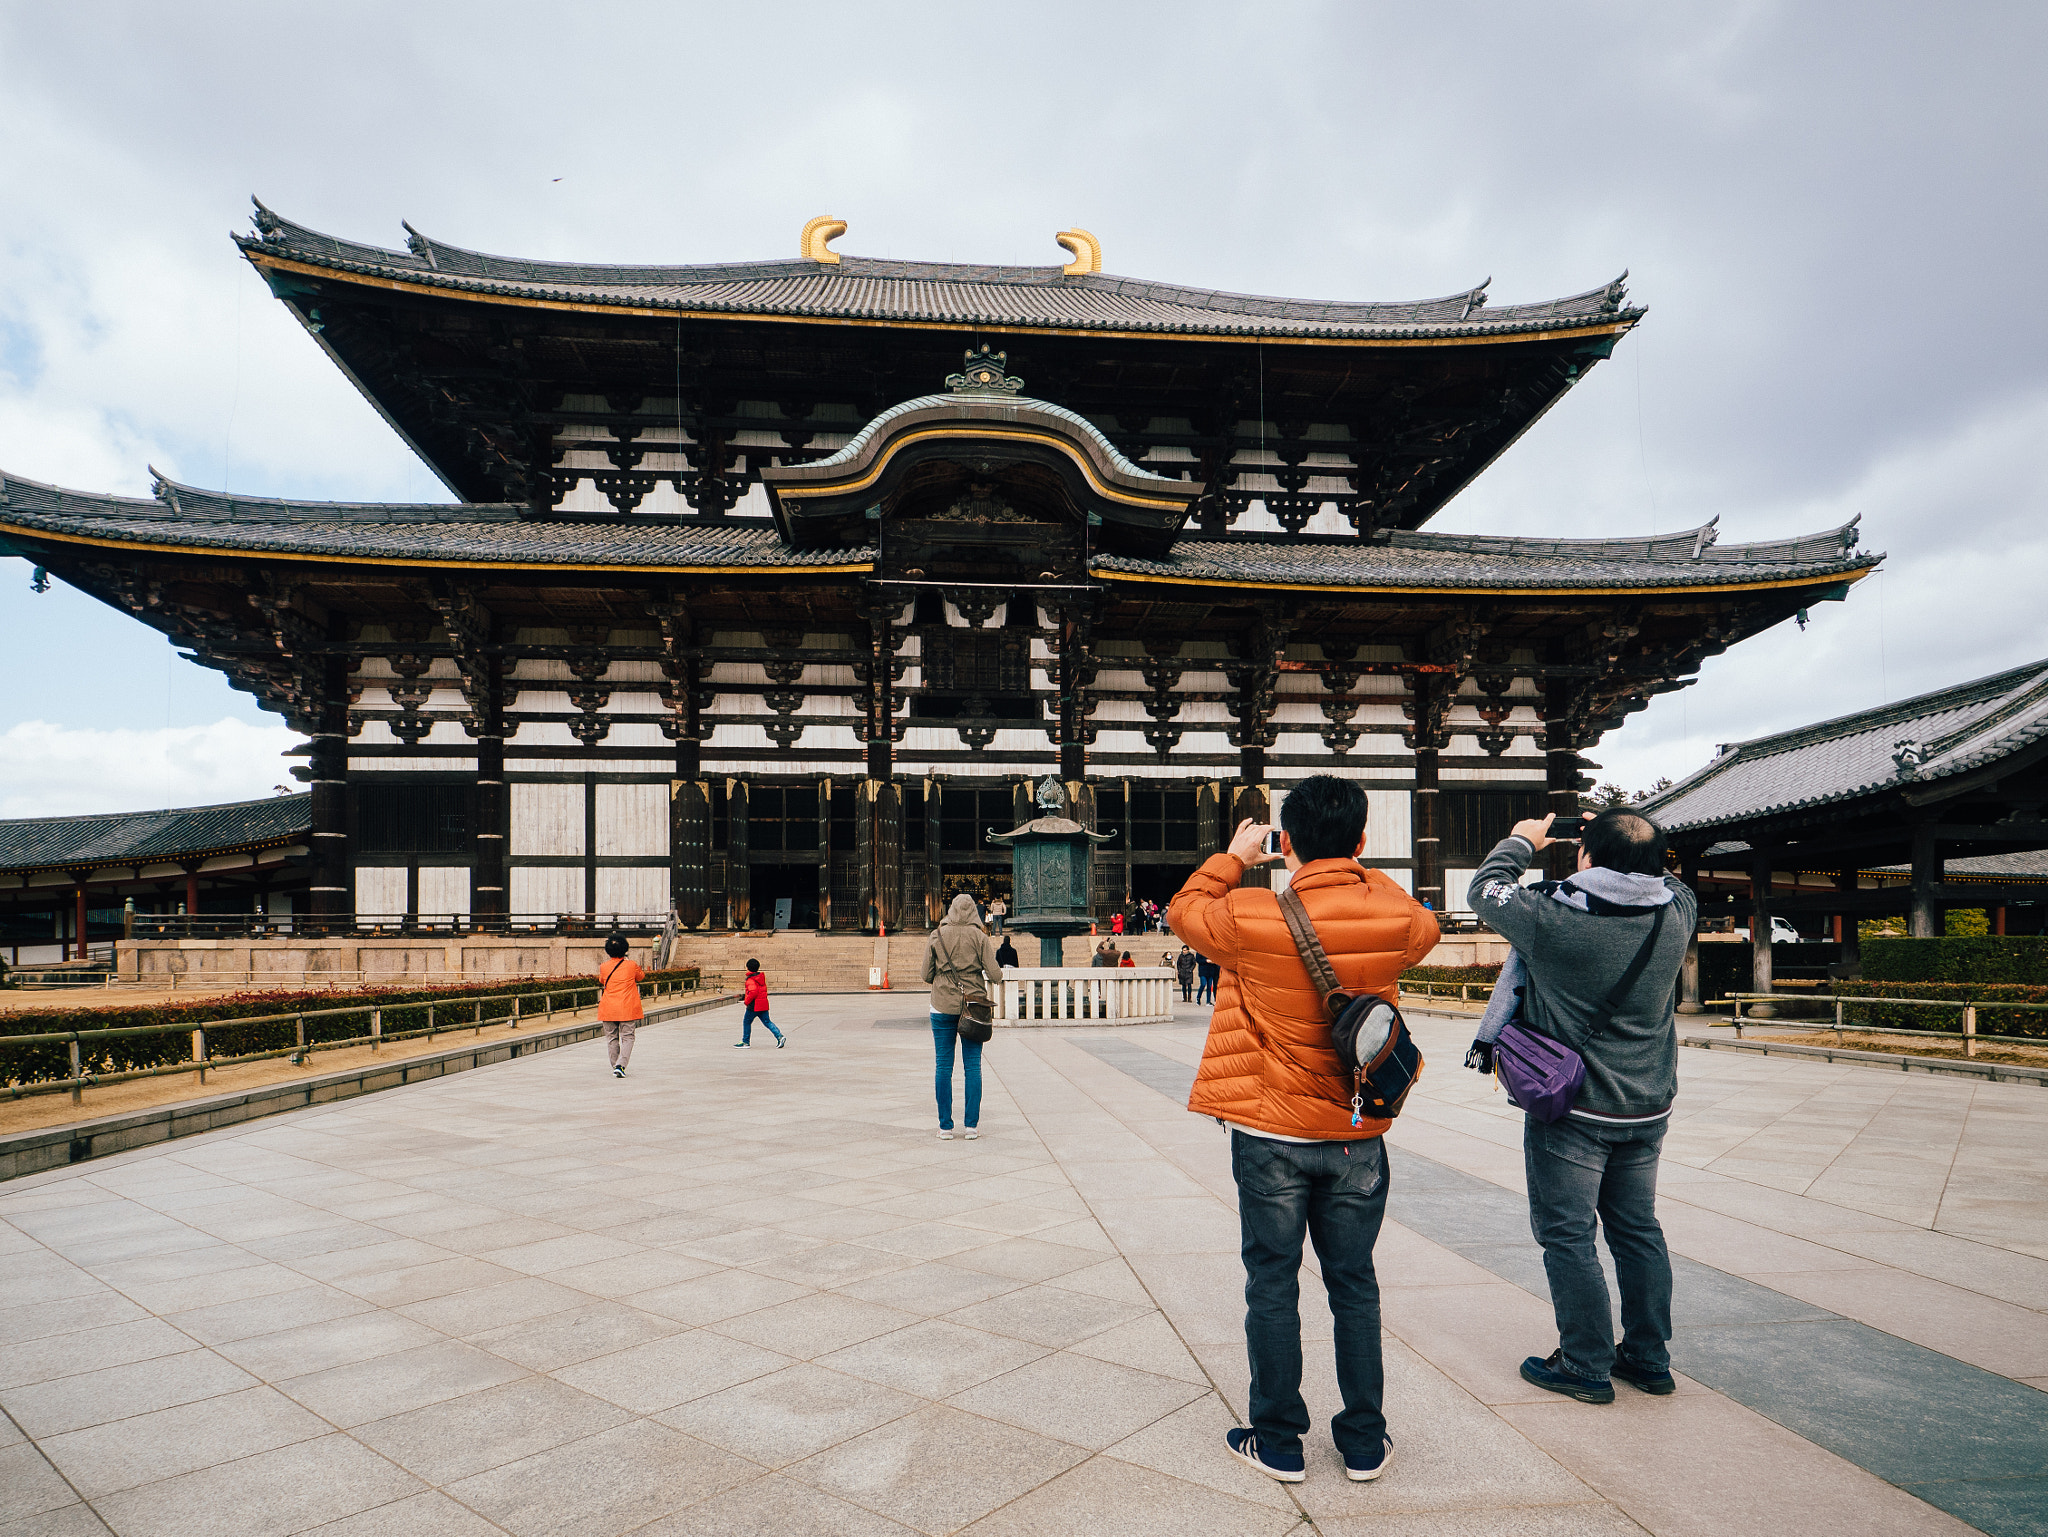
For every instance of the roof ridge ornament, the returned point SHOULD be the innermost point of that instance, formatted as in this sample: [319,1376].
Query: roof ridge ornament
[1085,249]
[268,224]
[1616,291]
[816,241]
[164,490]
[983,374]
[1908,755]
[419,245]
[1708,536]
[1475,299]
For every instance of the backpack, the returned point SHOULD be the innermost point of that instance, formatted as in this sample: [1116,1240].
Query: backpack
[1371,1039]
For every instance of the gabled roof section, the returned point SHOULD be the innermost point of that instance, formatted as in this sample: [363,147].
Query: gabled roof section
[1420,561]
[490,534]
[1908,747]
[864,288]
[152,837]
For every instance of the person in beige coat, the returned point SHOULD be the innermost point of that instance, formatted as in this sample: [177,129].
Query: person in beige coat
[959,962]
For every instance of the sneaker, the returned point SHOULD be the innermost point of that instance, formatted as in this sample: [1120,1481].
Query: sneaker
[1549,1374]
[1360,1471]
[1244,1446]
[945,1134]
[741,1045]
[1657,1383]
[973,1135]
[781,1041]
[618,1071]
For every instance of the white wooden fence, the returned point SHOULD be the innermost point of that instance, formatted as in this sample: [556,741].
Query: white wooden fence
[1066,995]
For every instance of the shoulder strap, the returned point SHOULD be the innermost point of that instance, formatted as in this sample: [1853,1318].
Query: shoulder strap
[1635,970]
[1303,928]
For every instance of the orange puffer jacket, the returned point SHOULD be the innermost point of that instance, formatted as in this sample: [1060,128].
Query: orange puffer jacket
[1268,1064]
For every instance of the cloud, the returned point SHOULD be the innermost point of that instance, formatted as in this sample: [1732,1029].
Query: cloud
[52,771]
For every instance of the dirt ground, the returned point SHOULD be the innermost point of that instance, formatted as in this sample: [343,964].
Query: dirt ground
[15,999]
[35,1112]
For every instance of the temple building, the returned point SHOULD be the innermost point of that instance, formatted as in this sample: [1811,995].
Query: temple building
[770,587]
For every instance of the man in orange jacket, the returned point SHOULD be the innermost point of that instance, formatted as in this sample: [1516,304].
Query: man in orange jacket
[1270,1073]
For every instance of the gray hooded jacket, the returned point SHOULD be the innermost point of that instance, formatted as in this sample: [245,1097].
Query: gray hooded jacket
[1574,943]
[960,953]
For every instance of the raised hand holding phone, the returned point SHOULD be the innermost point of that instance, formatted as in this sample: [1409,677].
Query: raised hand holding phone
[1248,844]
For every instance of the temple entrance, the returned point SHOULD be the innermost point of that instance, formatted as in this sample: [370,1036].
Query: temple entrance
[1159,883]
[983,885]
[774,885]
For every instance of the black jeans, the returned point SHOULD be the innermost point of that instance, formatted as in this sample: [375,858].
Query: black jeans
[1336,1193]
[1578,1169]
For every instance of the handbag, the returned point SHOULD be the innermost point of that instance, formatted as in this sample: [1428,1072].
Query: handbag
[1542,1075]
[1370,1038]
[976,1020]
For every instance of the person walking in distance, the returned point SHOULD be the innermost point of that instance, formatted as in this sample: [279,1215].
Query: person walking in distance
[960,962]
[1304,1163]
[1006,954]
[1599,955]
[618,1003]
[1184,973]
[755,996]
[1207,974]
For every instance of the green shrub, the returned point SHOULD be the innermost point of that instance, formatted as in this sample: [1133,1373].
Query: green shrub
[404,1009]
[1452,973]
[2006,959]
[1991,1020]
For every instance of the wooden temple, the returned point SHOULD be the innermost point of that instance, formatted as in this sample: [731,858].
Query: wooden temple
[769,587]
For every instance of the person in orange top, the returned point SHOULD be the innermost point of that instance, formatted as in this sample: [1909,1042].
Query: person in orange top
[755,996]
[1270,1073]
[1127,961]
[618,1003]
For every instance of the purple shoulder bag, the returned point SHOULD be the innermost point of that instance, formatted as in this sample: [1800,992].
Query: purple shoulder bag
[1543,1076]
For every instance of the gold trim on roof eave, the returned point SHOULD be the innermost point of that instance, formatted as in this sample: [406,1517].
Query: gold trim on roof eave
[986,430]
[1831,579]
[218,552]
[440,291]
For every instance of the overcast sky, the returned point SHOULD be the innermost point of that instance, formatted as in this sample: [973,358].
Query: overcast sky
[1834,213]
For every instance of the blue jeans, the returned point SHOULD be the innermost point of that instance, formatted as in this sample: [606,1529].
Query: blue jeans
[1336,1193]
[747,1024]
[945,1031]
[1578,1169]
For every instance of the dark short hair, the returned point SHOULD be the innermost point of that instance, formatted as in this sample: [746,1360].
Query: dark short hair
[615,946]
[1324,817]
[753,965]
[1624,840]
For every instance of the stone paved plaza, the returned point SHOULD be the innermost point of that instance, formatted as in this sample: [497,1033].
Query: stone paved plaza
[748,1292]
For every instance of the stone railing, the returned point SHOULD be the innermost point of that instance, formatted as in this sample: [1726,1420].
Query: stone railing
[1102,995]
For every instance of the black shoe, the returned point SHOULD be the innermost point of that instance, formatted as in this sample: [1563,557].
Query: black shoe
[781,1041]
[1244,1446]
[1549,1373]
[618,1071]
[1658,1383]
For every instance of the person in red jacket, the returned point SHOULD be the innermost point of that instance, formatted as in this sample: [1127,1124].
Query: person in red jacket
[755,996]
[618,1003]
[1127,961]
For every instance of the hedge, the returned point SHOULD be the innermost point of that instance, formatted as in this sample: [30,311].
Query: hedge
[404,1009]
[2009,959]
[1991,1020]
[1452,973]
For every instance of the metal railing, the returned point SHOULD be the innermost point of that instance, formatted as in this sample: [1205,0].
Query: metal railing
[202,1060]
[386,925]
[1463,990]
[1969,1035]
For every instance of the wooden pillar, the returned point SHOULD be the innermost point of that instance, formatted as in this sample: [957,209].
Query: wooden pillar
[1255,804]
[488,898]
[1850,962]
[1427,817]
[1998,921]
[824,855]
[1759,920]
[1924,919]
[330,891]
[191,891]
[881,742]
[1561,776]
[934,864]
[80,921]
[1689,972]
[739,873]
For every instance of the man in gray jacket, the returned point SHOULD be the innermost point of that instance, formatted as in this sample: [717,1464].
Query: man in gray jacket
[1576,941]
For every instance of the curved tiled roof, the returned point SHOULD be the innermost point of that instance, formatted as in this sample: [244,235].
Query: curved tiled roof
[1408,560]
[152,837]
[440,533]
[1896,747]
[502,534]
[1076,425]
[865,288]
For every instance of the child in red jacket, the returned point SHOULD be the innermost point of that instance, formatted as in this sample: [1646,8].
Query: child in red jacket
[755,996]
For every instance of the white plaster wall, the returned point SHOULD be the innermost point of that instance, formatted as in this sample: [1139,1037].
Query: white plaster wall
[640,891]
[631,819]
[547,819]
[444,889]
[380,890]
[546,889]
